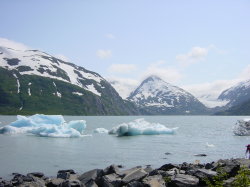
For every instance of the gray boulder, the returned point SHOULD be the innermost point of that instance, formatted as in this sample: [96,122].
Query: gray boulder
[36,174]
[135,175]
[229,166]
[92,175]
[54,182]
[181,180]
[135,184]
[111,169]
[156,181]
[123,173]
[111,180]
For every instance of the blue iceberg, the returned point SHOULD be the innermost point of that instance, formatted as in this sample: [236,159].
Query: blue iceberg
[45,125]
[141,127]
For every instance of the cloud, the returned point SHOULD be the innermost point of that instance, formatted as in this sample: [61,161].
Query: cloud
[123,86]
[104,53]
[194,55]
[121,68]
[110,36]
[11,44]
[62,57]
[159,68]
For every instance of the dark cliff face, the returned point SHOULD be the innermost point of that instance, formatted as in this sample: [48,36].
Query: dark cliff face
[156,96]
[35,82]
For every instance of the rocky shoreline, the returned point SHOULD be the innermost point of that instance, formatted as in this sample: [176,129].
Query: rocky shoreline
[181,175]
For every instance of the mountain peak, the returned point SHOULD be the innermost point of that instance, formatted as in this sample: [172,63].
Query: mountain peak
[154,93]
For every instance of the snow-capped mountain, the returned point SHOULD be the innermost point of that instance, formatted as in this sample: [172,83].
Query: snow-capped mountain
[236,94]
[32,77]
[159,97]
[34,62]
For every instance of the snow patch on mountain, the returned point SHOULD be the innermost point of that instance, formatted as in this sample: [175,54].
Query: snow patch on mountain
[34,62]
[92,89]
[77,93]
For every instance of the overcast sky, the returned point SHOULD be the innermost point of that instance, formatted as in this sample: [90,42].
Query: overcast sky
[200,45]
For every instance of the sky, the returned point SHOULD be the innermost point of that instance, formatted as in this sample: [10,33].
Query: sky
[199,45]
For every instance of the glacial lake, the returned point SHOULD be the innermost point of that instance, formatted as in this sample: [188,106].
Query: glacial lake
[210,135]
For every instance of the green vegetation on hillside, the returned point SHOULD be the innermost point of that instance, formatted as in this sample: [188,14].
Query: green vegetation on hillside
[44,98]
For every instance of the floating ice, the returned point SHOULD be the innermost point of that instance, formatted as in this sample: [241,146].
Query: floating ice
[210,145]
[45,125]
[101,130]
[141,127]
[242,128]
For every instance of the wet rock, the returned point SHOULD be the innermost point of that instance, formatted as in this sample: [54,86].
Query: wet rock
[71,183]
[231,167]
[6,184]
[122,173]
[111,169]
[135,184]
[54,182]
[148,169]
[36,174]
[134,176]
[156,181]
[111,180]
[209,166]
[184,180]
[203,174]
[63,175]
[31,184]
[71,171]
[167,167]
[92,175]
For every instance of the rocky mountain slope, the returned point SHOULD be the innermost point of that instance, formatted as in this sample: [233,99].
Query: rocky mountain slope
[236,94]
[156,96]
[237,98]
[36,82]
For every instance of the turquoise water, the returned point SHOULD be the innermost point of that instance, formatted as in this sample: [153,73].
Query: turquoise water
[211,135]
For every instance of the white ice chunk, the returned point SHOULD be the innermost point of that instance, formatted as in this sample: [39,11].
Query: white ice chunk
[45,125]
[101,130]
[141,127]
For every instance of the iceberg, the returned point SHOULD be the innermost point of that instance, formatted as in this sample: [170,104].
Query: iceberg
[45,125]
[101,130]
[242,128]
[141,127]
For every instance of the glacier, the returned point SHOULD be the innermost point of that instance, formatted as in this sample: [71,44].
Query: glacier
[45,125]
[141,127]
[242,128]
